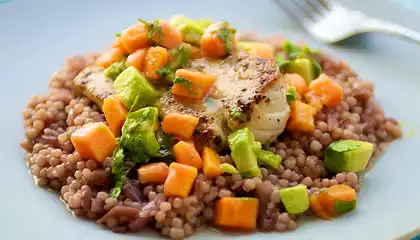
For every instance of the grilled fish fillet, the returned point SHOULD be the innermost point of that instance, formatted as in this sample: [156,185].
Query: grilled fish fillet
[244,83]
[249,85]
[92,83]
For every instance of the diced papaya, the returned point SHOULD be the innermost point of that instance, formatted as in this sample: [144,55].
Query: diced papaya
[211,163]
[181,125]
[294,79]
[263,50]
[94,141]
[118,44]
[156,58]
[180,180]
[331,93]
[135,37]
[192,84]
[317,208]
[115,114]
[301,117]
[109,57]
[236,212]
[165,34]
[137,59]
[218,40]
[153,173]
[186,153]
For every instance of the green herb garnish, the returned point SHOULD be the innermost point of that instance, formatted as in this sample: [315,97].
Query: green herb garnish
[119,171]
[291,94]
[118,34]
[179,56]
[280,61]
[165,71]
[165,141]
[237,113]
[292,50]
[225,34]
[186,83]
[156,28]
[115,69]
[143,21]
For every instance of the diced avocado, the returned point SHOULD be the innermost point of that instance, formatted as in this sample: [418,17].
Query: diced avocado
[268,158]
[299,60]
[292,50]
[316,68]
[177,20]
[280,60]
[114,70]
[295,199]
[138,134]
[204,22]
[291,94]
[191,29]
[343,207]
[241,144]
[191,33]
[303,67]
[256,147]
[179,59]
[134,90]
[180,56]
[228,168]
[348,156]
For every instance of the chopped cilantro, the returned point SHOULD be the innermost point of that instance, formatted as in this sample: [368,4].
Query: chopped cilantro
[179,56]
[156,29]
[119,171]
[165,71]
[185,83]
[225,34]
[143,21]
[280,61]
[291,94]
[294,51]
[118,34]
[237,113]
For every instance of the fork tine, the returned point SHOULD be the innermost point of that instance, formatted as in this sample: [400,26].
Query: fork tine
[294,10]
[320,6]
[305,7]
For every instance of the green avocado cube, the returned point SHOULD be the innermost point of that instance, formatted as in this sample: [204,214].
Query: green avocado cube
[134,90]
[343,207]
[228,168]
[114,70]
[295,199]
[348,156]
[204,22]
[191,33]
[242,144]
[303,67]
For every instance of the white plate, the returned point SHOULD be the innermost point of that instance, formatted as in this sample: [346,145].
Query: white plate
[36,36]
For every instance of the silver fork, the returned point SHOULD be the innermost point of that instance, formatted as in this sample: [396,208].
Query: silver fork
[330,22]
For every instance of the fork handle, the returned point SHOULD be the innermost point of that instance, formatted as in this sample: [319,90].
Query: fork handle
[377,25]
